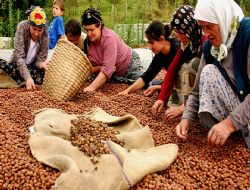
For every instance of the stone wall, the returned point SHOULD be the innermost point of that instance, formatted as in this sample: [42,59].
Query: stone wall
[5,42]
[146,55]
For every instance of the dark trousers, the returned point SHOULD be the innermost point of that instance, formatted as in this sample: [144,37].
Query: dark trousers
[12,70]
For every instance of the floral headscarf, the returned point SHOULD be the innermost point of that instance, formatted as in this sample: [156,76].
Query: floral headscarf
[183,21]
[227,14]
[37,17]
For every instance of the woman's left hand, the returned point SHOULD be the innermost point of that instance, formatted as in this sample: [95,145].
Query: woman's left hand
[157,107]
[44,65]
[219,133]
[89,89]
[30,85]
[151,90]
[173,112]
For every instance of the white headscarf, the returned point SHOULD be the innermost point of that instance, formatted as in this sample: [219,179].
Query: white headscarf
[227,14]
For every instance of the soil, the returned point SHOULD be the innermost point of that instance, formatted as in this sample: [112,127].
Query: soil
[197,166]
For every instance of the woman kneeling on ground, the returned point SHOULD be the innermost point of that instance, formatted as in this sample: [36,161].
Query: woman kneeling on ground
[108,54]
[28,61]
[189,33]
[220,97]
[164,47]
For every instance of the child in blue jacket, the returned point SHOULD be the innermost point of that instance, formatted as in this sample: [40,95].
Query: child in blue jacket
[56,28]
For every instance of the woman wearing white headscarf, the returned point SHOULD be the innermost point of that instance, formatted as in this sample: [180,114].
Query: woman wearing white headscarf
[220,97]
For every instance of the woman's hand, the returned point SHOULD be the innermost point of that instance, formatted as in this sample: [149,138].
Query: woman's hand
[97,83]
[44,65]
[157,107]
[182,129]
[124,92]
[219,133]
[173,112]
[151,90]
[89,89]
[30,85]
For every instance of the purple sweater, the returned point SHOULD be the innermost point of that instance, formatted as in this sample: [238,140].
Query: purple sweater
[111,53]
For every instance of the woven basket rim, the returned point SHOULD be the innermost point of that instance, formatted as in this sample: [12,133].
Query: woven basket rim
[69,69]
[77,49]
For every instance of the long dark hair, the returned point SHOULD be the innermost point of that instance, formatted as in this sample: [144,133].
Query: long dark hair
[156,29]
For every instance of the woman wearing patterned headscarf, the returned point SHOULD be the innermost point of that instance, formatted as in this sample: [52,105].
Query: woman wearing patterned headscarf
[189,33]
[220,96]
[31,49]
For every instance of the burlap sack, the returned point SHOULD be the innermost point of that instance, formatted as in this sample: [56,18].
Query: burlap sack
[6,81]
[1,44]
[120,170]
[184,83]
[186,77]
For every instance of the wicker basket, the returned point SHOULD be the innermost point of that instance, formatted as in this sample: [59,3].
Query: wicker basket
[67,72]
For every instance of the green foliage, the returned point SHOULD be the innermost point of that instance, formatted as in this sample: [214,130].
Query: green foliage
[11,23]
[245,5]
[8,13]
[114,2]
[114,12]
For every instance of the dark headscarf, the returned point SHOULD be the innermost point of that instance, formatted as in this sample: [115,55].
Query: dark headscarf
[183,21]
[91,16]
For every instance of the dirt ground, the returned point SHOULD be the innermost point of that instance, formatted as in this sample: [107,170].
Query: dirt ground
[197,166]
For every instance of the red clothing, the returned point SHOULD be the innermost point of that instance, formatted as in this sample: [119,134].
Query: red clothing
[172,72]
[170,77]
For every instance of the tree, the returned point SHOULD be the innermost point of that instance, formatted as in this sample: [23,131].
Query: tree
[186,2]
[161,4]
[11,23]
[114,9]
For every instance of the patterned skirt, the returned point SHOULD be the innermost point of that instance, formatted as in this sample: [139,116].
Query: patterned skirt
[12,70]
[135,70]
[216,95]
[218,98]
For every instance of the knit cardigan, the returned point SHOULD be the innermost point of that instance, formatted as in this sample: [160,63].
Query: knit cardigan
[240,51]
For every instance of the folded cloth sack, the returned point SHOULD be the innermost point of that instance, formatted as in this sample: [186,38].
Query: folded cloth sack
[121,169]
[6,81]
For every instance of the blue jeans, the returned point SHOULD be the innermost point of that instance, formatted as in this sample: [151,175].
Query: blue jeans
[134,70]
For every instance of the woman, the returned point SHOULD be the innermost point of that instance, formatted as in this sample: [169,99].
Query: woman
[31,49]
[107,53]
[164,48]
[221,94]
[189,33]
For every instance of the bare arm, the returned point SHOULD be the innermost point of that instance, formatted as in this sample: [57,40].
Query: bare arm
[96,69]
[138,84]
[97,83]
[151,90]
